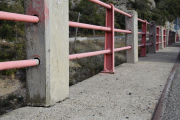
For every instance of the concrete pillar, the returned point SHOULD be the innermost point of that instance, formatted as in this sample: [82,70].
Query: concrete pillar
[174,37]
[161,45]
[167,37]
[152,38]
[170,37]
[48,40]
[132,39]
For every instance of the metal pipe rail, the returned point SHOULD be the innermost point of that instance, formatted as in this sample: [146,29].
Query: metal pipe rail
[88,26]
[109,7]
[148,44]
[88,54]
[143,21]
[18,17]
[18,64]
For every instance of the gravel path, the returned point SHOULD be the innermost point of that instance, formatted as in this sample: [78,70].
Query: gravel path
[172,111]
[132,93]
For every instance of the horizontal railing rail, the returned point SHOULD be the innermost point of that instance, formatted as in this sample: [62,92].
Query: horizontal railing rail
[18,17]
[18,64]
[49,40]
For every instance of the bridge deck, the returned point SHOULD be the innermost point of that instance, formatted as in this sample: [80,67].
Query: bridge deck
[132,93]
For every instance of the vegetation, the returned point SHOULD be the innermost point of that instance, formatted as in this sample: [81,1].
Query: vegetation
[165,10]
[13,47]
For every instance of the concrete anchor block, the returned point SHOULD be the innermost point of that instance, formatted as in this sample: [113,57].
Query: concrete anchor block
[48,40]
[152,38]
[132,39]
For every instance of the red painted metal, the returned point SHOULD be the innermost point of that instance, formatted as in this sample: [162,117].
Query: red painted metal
[143,21]
[18,64]
[149,23]
[101,3]
[122,31]
[18,17]
[141,33]
[89,54]
[119,11]
[164,37]
[140,45]
[157,38]
[88,26]
[143,41]
[123,48]
[110,7]
[109,41]
[149,44]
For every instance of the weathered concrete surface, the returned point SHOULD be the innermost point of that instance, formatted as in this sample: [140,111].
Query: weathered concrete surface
[152,38]
[131,93]
[132,39]
[47,83]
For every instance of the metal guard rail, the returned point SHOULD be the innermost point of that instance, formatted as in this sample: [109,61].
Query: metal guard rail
[35,19]
[20,18]
[95,27]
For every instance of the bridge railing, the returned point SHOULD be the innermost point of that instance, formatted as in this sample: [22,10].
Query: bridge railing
[20,18]
[47,28]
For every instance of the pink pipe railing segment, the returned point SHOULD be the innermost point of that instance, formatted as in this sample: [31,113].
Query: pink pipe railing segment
[18,17]
[141,33]
[88,26]
[141,45]
[123,48]
[122,31]
[18,64]
[109,7]
[89,54]
[119,11]
[149,44]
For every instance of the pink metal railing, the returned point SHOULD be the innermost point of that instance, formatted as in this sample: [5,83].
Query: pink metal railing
[18,64]
[109,34]
[20,18]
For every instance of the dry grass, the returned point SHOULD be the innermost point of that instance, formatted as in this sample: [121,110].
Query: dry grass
[81,69]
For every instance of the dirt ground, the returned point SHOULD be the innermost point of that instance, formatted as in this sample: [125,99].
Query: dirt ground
[12,94]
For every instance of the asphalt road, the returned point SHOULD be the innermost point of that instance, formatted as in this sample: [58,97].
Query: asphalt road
[172,111]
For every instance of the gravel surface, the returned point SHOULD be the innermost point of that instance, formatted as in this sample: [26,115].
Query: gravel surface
[172,111]
[132,93]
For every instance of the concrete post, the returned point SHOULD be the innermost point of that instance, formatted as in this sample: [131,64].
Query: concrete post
[152,38]
[132,39]
[167,37]
[170,35]
[174,37]
[48,40]
[161,45]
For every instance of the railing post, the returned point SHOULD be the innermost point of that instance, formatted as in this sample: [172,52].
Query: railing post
[169,42]
[132,39]
[174,37]
[167,37]
[161,45]
[152,38]
[109,41]
[143,40]
[48,40]
[157,38]
[164,38]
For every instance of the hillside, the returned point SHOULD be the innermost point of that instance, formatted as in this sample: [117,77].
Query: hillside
[120,4]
